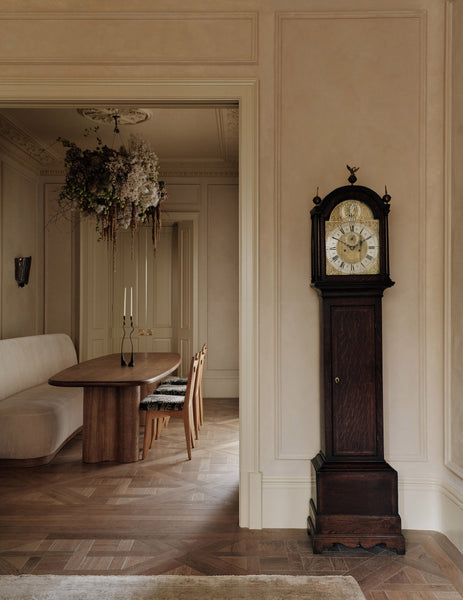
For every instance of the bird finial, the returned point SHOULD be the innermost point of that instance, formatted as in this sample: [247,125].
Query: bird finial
[352,170]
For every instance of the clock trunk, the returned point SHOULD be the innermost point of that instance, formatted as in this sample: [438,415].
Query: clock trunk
[355,500]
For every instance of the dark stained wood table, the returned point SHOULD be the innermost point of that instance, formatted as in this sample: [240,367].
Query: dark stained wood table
[111,401]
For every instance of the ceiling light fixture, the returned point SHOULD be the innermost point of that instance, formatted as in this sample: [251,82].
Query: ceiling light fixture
[119,188]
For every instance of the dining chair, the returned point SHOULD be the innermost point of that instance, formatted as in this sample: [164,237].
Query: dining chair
[201,404]
[175,386]
[160,406]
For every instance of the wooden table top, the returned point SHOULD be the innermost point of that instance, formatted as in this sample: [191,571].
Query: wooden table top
[149,367]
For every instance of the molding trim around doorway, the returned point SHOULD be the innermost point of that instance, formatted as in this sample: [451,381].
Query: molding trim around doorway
[69,92]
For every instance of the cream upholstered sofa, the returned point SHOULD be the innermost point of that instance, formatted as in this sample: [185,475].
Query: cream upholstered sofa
[36,419]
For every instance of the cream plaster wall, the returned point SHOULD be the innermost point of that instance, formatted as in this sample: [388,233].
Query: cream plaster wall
[61,263]
[21,234]
[350,82]
[454,255]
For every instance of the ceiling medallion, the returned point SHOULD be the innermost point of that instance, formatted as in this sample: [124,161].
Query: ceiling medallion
[126,116]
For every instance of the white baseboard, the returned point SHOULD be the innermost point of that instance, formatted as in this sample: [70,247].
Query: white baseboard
[426,504]
[285,502]
[432,504]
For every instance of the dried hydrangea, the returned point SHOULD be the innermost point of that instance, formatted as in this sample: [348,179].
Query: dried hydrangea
[121,188]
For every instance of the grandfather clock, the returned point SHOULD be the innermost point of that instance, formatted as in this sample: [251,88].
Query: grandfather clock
[355,501]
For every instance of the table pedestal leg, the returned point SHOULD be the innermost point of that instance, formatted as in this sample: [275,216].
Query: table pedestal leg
[111,424]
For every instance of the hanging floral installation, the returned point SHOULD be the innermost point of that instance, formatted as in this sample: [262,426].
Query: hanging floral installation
[120,188]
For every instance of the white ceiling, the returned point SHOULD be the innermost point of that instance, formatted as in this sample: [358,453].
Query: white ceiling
[183,136]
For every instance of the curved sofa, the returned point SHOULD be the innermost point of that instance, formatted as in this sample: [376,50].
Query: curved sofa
[36,419]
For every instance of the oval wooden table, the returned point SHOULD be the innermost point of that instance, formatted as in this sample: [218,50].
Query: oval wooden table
[111,401]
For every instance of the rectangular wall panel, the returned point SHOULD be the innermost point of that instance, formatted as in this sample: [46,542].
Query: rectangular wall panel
[60,284]
[351,92]
[204,38]
[22,235]
[222,282]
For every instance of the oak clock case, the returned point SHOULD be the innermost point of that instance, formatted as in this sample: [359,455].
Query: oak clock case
[355,501]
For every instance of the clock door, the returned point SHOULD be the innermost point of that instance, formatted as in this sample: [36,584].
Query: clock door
[354,386]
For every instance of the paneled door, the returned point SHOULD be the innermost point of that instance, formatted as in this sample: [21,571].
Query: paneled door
[146,281]
[159,289]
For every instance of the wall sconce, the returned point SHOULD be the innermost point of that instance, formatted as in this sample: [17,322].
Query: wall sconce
[22,267]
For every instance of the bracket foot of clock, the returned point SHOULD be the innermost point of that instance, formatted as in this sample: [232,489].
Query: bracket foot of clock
[356,505]
[324,541]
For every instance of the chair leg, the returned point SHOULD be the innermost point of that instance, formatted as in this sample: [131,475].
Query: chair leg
[154,430]
[192,426]
[196,416]
[188,437]
[201,407]
[161,424]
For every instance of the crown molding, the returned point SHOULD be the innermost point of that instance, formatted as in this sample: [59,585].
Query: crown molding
[199,168]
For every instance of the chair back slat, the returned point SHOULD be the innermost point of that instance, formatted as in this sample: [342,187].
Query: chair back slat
[192,377]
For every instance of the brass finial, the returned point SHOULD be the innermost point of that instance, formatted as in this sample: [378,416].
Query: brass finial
[317,199]
[386,197]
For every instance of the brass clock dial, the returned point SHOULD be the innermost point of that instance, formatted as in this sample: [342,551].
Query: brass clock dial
[352,240]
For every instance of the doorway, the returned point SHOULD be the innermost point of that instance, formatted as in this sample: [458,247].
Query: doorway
[76,92]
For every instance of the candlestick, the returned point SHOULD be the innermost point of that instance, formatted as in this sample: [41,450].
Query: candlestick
[131,362]
[123,361]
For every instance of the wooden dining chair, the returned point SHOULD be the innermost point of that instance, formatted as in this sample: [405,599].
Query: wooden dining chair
[160,406]
[176,385]
[201,404]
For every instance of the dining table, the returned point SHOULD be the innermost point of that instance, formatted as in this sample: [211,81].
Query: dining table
[112,394]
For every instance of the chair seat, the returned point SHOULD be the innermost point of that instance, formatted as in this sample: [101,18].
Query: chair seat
[162,402]
[175,381]
[170,389]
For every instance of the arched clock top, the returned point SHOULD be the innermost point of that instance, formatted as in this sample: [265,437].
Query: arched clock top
[350,248]
[379,205]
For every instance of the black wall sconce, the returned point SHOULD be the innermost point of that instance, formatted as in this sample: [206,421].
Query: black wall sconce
[22,267]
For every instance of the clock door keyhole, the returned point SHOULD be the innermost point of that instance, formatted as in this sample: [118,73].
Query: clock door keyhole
[337,380]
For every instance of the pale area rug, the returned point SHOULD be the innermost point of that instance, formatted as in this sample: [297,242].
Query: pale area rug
[178,587]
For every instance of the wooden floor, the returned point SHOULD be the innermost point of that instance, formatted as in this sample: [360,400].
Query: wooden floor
[173,516]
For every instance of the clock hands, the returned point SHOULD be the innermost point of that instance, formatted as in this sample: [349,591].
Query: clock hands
[350,246]
[345,243]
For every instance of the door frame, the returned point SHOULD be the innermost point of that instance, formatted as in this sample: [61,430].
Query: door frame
[177,217]
[78,92]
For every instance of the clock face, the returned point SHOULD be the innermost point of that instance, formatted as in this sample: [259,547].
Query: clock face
[352,240]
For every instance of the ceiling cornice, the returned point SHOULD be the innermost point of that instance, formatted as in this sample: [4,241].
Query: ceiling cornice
[20,145]
[23,147]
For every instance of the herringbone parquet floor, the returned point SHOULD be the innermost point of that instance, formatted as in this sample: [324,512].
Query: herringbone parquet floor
[168,515]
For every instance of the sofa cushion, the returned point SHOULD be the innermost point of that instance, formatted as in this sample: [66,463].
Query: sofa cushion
[36,421]
[29,361]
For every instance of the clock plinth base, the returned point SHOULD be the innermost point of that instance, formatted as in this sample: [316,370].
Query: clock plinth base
[355,505]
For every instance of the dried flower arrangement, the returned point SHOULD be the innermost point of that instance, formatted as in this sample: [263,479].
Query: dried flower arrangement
[121,188]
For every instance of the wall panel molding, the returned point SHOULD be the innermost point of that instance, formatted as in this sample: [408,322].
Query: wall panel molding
[284,21]
[55,38]
[21,234]
[452,328]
